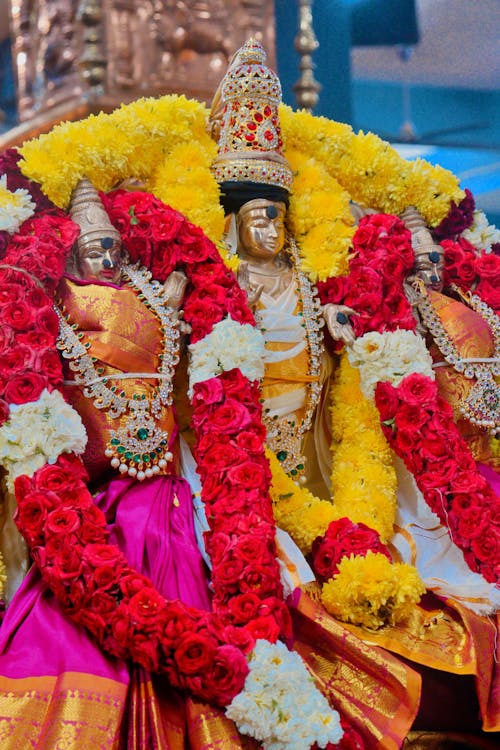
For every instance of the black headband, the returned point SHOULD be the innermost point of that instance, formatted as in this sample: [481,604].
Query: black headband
[234,195]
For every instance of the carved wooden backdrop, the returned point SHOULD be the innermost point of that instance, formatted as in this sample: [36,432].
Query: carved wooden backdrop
[104,52]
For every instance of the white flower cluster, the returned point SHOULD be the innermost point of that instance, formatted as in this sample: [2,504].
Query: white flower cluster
[37,433]
[229,345]
[481,234]
[389,357]
[280,706]
[15,207]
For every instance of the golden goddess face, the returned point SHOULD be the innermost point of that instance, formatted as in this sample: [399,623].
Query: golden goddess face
[261,230]
[100,261]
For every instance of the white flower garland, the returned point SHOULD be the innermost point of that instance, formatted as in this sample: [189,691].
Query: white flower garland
[229,345]
[37,433]
[389,357]
[280,705]
[15,207]
[481,234]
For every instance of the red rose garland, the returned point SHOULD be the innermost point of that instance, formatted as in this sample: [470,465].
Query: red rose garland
[472,272]
[417,422]
[202,652]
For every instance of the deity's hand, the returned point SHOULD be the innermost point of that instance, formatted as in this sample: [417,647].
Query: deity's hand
[253,290]
[338,323]
[175,286]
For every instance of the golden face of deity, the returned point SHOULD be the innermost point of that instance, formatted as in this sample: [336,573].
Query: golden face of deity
[261,230]
[100,260]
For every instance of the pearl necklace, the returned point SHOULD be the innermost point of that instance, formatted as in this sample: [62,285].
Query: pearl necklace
[482,405]
[284,435]
[138,447]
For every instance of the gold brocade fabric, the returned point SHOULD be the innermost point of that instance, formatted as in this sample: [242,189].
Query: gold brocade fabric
[377,693]
[472,338]
[450,637]
[67,712]
[125,337]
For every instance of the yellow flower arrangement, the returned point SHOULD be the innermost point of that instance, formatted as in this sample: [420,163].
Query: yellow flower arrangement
[372,591]
[363,476]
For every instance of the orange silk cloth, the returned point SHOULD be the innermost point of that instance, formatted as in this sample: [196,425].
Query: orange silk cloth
[472,337]
[287,376]
[124,336]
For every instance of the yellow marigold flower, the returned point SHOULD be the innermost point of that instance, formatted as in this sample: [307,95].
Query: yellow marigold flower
[372,592]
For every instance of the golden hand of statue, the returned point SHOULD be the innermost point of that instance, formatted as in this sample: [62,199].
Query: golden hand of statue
[338,323]
[253,291]
[174,288]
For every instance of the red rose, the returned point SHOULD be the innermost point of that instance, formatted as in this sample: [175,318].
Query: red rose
[121,626]
[221,456]
[103,604]
[226,676]
[208,392]
[31,515]
[243,607]
[103,554]
[229,417]
[9,293]
[93,622]
[239,637]
[132,583]
[144,651]
[228,572]
[37,298]
[24,388]
[93,528]
[418,389]
[37,340]
[62,521]
[248,475]
[47,321]
[472,523]
[264,627]
[18,315]
[54,478]
[4,411]
[145,606]
[67,561]
[17,358]
[195,653]
[387,401]
[488,267]
[490,293]
[486,547]
[259,578]
[325,556]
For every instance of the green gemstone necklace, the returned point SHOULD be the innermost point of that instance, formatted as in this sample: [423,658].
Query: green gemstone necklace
[138,447]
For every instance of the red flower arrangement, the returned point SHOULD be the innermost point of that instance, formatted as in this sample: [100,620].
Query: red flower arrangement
[418,425]
[342,539]
[417,422]
[200,651]
[472,272]
[460,217]
[381,259]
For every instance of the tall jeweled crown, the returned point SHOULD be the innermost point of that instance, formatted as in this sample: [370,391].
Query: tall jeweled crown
[250,145]
[88,212]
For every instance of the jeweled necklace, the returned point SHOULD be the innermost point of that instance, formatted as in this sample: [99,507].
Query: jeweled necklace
[482,405]
[284,435]
[138,447]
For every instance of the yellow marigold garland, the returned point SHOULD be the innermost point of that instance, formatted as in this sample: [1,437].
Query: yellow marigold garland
[296,510]
[369,169]
[363,476]
[372,591]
